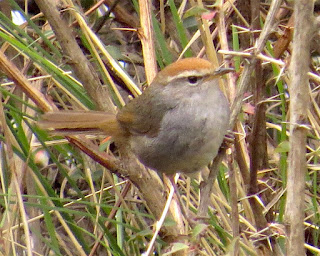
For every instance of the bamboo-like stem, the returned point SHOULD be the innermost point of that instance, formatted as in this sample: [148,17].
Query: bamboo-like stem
[299,103]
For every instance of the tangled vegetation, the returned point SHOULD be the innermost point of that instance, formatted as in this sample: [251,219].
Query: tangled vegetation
[80,195]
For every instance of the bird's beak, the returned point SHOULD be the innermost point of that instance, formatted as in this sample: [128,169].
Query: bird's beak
[222,71]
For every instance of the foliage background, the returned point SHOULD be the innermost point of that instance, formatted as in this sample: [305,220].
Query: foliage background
[55,200]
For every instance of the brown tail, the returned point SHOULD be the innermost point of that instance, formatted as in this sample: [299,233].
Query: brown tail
[80,122]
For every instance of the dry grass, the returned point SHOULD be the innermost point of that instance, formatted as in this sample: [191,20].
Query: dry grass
[55,200]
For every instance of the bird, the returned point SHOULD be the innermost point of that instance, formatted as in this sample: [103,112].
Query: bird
[176,125]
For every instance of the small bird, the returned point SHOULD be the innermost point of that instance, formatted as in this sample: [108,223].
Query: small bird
[176,125]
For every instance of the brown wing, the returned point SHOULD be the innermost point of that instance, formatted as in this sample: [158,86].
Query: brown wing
[143,115]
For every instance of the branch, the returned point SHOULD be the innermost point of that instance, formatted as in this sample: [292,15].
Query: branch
[299,102]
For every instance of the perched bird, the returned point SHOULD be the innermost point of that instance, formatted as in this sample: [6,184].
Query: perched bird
[176,125]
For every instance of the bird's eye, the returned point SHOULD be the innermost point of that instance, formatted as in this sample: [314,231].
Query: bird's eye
[193,79]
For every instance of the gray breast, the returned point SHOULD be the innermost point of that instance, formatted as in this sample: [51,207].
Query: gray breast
[189,138]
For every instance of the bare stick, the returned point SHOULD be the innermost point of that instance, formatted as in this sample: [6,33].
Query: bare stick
[299,102]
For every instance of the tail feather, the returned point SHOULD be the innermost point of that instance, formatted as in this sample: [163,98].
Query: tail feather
[80,122]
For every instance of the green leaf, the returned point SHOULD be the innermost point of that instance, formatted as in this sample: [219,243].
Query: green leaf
[283,147]
[175,248]
[195,11]
[198,230]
